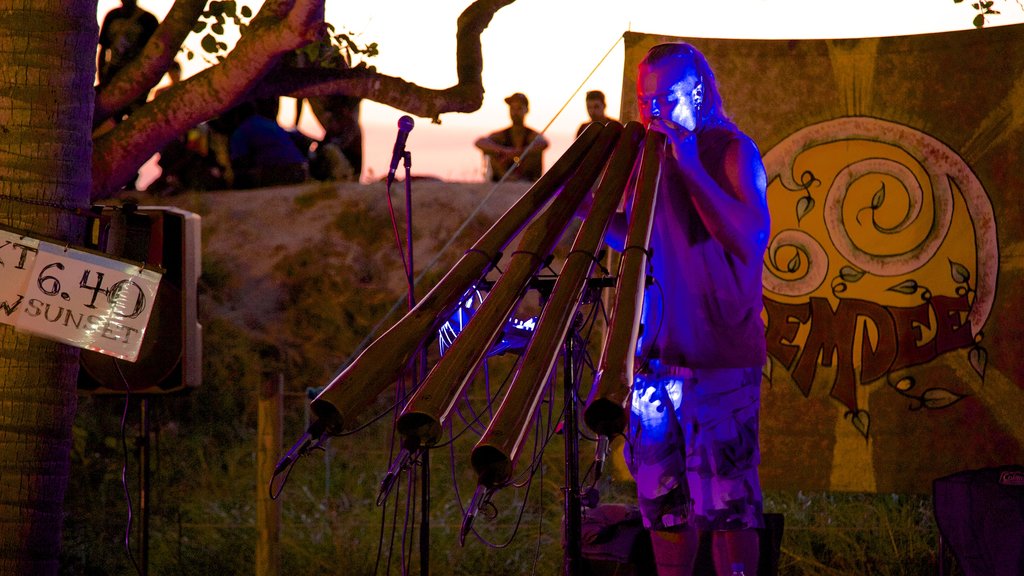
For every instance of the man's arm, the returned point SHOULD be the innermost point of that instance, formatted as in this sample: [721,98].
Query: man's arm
[488,145]
[735,211]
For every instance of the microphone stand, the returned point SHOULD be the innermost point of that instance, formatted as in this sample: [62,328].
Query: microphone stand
[573,558]
[572,523]
[418,367]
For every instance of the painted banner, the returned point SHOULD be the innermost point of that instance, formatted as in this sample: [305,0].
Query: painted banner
[893,279]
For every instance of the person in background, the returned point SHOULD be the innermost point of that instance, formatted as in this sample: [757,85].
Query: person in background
[123,34]
[595,109]
[262,152]
[516,150]
[339,155]
[692,438]
[191,161]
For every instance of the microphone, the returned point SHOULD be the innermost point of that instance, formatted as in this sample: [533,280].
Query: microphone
[481,503]
[405,125]
[314,434]
[400,464]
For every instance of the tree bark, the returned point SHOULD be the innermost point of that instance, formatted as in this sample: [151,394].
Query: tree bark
[47,67]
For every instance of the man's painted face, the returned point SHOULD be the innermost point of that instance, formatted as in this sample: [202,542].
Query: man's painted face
[671,91]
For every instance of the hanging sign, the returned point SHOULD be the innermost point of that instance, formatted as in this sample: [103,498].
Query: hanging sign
[17,258]
[79,298]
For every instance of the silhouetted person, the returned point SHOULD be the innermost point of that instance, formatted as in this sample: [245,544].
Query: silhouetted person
[595,109]
[124,33]
[507,148]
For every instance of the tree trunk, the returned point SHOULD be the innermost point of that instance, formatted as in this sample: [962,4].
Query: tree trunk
[47,66]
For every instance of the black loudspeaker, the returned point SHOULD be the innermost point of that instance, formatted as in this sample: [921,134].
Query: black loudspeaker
[171,350]
[980,516]
[615,543]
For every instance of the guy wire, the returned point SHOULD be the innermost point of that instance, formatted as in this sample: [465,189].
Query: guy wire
[469,219]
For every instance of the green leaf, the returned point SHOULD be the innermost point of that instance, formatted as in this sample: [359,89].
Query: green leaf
[199,26]
[879,198]
[959,272]
[794,263]
[229,8]
[905,287]
[217,28]
[978,357]
[246,12]
[850,274]
[979,21]
[939,398]
[804,205]
[209,43]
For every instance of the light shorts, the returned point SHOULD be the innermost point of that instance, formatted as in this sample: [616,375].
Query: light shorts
[692,447]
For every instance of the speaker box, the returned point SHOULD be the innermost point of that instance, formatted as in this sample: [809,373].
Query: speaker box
[980,515]
[171,350]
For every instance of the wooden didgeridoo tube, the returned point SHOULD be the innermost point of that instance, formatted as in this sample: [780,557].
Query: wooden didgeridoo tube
[497,451]
[606,413]
[422,418]
[384,359]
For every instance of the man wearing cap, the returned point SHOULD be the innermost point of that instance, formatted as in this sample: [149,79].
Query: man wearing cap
[595,109]
[516,150]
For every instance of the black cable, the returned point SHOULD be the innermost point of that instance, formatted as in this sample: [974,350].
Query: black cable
[409,525]
[380,536]
[124,467]
[508,378]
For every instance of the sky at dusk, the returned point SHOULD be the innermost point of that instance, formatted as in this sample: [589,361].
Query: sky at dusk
[552,51]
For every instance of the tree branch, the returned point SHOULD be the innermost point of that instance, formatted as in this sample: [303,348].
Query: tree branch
[362,82]
[254,69]
[118,154]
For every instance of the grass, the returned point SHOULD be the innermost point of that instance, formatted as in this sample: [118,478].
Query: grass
[854,533]
[203,517]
